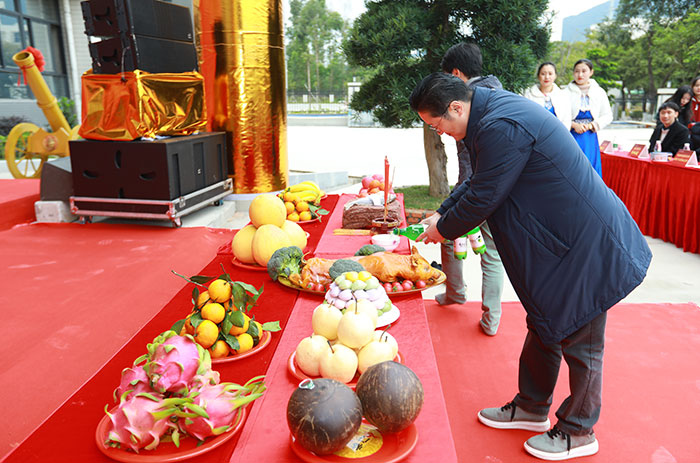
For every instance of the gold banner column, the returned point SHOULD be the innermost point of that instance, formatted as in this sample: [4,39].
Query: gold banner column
[241,56]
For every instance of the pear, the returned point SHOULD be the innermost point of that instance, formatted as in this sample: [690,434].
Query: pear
[325,321]
[374,352]
[339,363]
[309,352]
[364,306]
[385,337]
[355,328]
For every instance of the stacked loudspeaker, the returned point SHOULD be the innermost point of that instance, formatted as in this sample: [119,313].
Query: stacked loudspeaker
[133,177]
[149,35]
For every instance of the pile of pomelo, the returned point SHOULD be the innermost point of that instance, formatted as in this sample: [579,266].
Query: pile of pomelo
[268,231]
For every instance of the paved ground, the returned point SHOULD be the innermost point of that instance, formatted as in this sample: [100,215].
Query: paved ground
[672,276]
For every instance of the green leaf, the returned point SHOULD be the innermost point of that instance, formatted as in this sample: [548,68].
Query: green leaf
[177,326]
[197,279]
[272,326]
[196,319]
[236,318]
[247,287]
[231,341]
[226,325]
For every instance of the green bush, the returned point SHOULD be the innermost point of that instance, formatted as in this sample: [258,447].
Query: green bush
[2,146]
[68,109]
[7,122]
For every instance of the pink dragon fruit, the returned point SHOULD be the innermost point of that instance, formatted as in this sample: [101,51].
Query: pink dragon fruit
[134,380]
[173,361]
[209,378]
[214,407]
[141,420]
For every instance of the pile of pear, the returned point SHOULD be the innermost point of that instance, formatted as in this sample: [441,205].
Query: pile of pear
[344,342]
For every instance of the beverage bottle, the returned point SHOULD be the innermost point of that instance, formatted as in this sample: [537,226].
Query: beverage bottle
[459,247]
[411,232]
[657,147]
[476,241]
[686,146]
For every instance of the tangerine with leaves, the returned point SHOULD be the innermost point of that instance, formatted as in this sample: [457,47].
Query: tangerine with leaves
[213,311]
[245,343]
[236,330]
[202,299]
[219,349]
[220,290]
[206,333]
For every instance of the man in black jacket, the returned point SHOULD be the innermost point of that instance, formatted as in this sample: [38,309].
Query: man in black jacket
[672,134]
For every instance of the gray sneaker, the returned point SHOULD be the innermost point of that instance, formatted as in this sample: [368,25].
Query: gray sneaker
[556,445]
[510,416]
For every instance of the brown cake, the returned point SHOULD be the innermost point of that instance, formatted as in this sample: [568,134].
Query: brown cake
[361,215]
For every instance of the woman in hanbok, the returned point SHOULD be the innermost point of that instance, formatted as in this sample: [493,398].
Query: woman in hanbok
[548,94]
[590,111]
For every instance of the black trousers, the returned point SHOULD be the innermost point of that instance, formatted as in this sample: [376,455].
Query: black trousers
[539,369]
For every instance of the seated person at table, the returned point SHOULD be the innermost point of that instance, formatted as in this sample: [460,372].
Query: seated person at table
[672,134]
[682,98]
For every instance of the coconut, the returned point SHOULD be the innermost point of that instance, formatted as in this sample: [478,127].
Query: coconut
[323,415]
[391,395]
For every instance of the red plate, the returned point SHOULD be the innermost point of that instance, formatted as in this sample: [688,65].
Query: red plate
[300,375]
[301,222]
[391,294]
[166,451]
[264,341]
[255,267]
[394,447]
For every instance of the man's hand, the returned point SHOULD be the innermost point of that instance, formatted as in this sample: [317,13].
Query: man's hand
[431,234]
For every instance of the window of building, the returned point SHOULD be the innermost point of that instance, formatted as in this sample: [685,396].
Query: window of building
[33,23]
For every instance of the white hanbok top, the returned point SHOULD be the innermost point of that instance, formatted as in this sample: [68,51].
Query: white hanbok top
[596,102]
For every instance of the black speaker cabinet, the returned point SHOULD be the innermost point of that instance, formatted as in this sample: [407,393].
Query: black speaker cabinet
[148,54]
[162,169]
[150,35]
[154,18]
[56,182]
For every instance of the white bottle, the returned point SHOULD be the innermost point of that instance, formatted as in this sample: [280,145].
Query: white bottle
[686,146]
[657,147]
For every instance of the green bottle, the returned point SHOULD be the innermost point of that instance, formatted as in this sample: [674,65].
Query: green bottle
[476,241]
[411,232]
[459,247]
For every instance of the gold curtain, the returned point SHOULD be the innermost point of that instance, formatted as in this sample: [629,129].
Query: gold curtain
[240,44]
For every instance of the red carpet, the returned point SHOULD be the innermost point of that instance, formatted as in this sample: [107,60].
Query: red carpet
[72,296]
[17,198]
[651,382]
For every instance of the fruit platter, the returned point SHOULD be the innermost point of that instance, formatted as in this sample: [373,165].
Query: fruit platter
[172,405]
[398,274]
[302,202]
[220,320]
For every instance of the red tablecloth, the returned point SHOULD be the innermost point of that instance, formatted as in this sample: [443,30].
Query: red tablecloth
[663,199]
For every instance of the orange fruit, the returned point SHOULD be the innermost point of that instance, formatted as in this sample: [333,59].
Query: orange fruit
[228,305]
[306,215]
[245,343]
[289,196]
[189,328]
[220,290]
[302,206]
[206,333]
[236,330]
[202,299]
[219,349]
[289,206]
[213,311]
[294,217]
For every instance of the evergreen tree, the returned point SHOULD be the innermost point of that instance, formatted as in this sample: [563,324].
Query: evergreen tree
[404,40]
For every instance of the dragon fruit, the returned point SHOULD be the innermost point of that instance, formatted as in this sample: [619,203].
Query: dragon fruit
[210,378]
[173,361]
[141,420]
[214,407]
[134,380]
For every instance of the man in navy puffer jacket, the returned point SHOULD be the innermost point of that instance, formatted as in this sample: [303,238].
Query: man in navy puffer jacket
[567,242]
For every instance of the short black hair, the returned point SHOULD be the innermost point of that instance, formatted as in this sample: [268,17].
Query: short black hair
[435,93]
[465,57]
[670,105]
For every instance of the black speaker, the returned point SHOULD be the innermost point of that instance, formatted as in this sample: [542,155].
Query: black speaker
[150,35]
[56,183]
[153,18]
[144,53]
[161,169]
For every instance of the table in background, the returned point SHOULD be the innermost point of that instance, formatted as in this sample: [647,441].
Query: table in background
[664,199]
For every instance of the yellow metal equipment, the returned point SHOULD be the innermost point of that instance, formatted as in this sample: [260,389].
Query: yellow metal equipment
[28,146]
